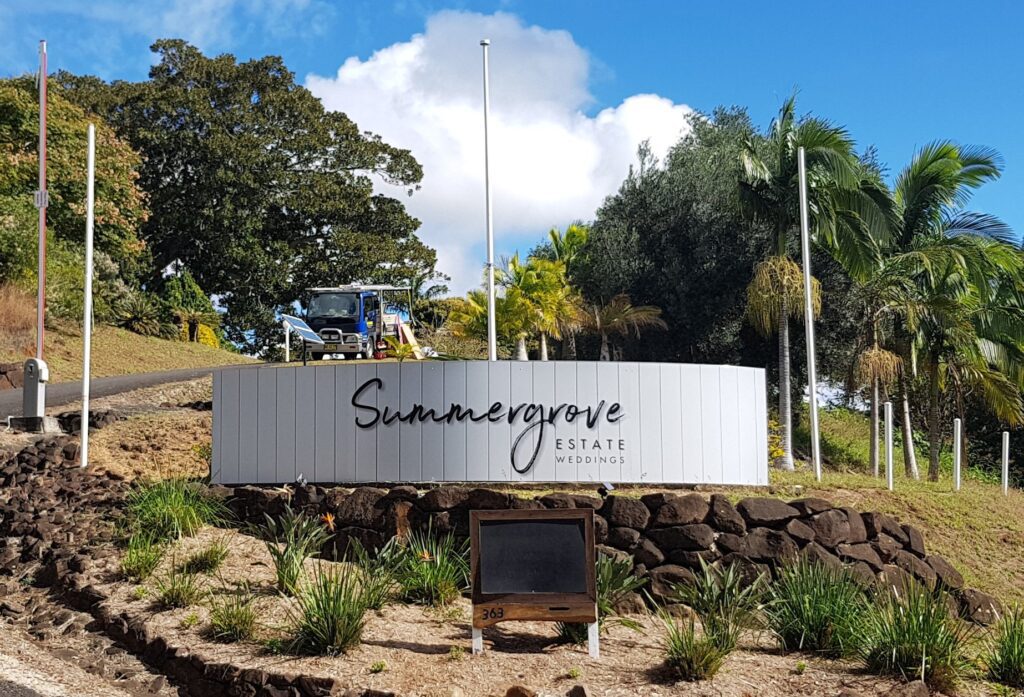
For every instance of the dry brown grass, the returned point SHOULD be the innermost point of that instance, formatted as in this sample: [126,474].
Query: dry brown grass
[17,323]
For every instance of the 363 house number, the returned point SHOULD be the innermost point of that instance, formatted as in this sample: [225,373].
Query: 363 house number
[492,613]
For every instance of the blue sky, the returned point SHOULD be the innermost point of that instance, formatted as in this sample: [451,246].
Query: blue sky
[570,79]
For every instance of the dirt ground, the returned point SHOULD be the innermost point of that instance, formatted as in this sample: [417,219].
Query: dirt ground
[427,652]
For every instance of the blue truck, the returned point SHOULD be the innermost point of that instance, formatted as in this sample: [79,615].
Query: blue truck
[353,320]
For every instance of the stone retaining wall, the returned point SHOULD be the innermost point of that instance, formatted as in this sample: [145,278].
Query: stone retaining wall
[12,376]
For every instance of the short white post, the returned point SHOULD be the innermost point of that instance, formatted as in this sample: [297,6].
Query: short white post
[287,342]
[956,454]
[1006,463]
[594,639]
[478,640]
[87,319]
[888,445]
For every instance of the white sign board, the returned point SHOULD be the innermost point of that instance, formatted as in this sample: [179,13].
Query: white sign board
[506,421]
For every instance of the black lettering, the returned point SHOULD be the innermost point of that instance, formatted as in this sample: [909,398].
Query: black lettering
[613,413]
[355,402]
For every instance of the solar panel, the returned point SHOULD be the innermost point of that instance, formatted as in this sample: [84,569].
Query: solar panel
[302,329]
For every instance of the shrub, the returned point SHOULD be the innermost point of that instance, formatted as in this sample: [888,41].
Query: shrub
[378,571]
[813,607]
[233,615]
[178,589]
[141,313]
[1005,658]
[432,570]
[615,581]
[173,508]
[142,554]
[378,667]
[724,602]
[692,657]
[331,612]
[291,540]
[911,633]
[206,561]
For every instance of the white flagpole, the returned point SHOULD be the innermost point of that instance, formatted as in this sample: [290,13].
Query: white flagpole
[492,331]
[41,203]
[812,379]
[87,319]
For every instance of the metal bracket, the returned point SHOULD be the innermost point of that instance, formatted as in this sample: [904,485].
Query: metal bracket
[41,199]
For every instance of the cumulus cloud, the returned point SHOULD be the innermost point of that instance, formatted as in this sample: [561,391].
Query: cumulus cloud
[552,162]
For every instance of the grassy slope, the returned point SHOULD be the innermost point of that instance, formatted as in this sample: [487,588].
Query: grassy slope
[120,352]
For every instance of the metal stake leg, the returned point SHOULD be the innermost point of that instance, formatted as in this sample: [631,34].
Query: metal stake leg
[594,640]
[478,640]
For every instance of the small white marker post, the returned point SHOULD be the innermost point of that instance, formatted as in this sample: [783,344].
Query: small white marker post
[956,454]
[478,640]
[87,318]
[1006,463]
[888,445]
[594,640]
[287,342]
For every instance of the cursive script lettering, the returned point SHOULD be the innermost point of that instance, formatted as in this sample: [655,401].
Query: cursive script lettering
[537,417]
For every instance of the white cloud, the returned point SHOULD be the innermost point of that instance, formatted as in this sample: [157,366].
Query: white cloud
[551,162]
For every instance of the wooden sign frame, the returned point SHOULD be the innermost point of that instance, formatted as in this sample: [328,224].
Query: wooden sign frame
[490,609]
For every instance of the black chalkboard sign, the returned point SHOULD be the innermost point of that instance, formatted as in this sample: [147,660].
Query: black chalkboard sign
[533,565]
[533,556]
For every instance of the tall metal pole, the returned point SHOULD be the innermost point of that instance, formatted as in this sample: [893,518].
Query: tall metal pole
[888,445]
[957,440]
[812,379]
[1006,463]
[492,329]
[42,201]
[87,318]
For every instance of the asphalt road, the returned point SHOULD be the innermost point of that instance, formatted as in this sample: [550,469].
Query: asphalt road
[64,392]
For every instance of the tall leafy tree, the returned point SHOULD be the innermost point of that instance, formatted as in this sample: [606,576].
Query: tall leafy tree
[846,208]
[256,188]
[620,317]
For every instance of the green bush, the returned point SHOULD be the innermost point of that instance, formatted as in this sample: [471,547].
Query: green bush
[432,570]
[206,561]
[725,603]
[692,657]
[330,613]
[173,508]
[290,541]
[911,633]
[813,607]
[178,589]
[142,554]
[141,313]
[233,615]
[378,571]
[1005,658]
[615,581]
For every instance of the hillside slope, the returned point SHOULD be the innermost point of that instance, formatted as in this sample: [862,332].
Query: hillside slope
[120,352]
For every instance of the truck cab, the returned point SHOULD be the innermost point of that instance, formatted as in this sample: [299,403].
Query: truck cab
[348,321]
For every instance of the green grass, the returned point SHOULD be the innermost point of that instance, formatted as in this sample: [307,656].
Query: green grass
[812,607]
[206,561]
[615,581]
[725,603]
[292,539]
[1005,656]
[170,509]
[330,614]
[911,634]
[142,554]
[432,570]
[178,589]
[378,570]
[233,615]
[691,656]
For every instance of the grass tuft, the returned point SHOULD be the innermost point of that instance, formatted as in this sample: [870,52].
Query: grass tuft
[173,508]
[233,615]
[911,633]
[615,581]
[291,540]
[1005,657]
[206,561]
[378,571]
[692,657]
[178,589]
[142,555]
[813,607]
[432,570]
[724,602]
[330,613]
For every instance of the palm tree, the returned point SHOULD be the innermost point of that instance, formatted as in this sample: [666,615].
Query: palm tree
[512,315]
[566,248]
[965,324]
[847,210]
[621,317]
